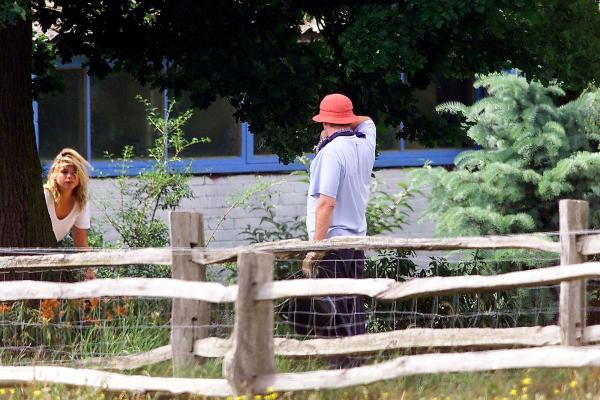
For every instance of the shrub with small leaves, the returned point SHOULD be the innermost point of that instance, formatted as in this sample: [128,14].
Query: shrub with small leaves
[160,186]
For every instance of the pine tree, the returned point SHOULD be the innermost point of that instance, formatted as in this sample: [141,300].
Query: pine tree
[530,154]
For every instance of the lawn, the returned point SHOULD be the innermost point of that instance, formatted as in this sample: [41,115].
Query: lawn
[496,385]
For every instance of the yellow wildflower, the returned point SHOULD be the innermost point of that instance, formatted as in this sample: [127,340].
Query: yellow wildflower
[2,391]
[524,390]
[270,389]
[257,397]
[573,384]
[514,392]
[526,381]
[524,397]
[556,391]
[241,397]
[11,390]
[385,395]
[37,393]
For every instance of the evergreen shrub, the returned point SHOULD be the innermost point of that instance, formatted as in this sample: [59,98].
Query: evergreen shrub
[531,152]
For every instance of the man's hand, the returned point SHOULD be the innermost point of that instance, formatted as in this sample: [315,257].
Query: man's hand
[310,262]
[89,274]
[359,120]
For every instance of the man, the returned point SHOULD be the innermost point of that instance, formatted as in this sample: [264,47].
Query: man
[340,180]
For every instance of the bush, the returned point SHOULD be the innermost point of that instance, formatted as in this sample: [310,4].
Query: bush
[531,153]
[158,187]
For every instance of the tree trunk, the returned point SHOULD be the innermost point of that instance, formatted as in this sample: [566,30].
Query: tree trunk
[24,219]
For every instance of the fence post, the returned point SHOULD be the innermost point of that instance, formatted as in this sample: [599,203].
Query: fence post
[251,353]
[189,318]
[573,215]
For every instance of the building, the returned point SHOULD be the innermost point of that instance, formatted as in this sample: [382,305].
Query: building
[102,116]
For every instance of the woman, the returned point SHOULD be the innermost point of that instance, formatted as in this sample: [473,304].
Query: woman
[67,198]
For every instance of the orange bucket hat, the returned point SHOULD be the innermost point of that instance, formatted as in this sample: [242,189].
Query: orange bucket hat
[335,109]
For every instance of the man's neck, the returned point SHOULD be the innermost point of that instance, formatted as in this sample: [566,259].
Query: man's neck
[332,131]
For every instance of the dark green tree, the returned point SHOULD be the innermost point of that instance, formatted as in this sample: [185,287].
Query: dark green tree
[377,52]
[24,219]
[532,154]
[250,52]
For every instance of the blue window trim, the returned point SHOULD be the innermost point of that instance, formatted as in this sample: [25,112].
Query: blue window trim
[247,161]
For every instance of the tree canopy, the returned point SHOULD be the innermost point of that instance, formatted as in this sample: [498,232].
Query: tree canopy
[377,52]
[250,52]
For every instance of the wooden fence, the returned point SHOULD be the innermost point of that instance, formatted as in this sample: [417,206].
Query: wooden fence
[249,354]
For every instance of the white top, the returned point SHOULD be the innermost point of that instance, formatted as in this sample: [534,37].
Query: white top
[61,227]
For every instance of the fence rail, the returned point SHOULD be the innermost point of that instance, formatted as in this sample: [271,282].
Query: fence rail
[281,249]
[380,289]
[249,354]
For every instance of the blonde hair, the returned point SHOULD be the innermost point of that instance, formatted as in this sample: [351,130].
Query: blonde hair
[70,157]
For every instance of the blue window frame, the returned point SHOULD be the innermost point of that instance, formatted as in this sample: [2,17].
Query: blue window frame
[247,161]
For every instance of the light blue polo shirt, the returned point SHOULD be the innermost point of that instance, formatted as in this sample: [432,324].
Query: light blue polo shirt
[342,169]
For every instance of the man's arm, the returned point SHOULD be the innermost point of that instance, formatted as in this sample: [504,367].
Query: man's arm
[324,214]
[359,120]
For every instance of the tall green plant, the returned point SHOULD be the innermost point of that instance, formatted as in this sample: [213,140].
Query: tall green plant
[532,153]
[160,186]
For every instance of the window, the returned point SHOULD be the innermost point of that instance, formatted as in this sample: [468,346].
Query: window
[117,118]
[98,115]
[61,116]
[216,123]
[386,138]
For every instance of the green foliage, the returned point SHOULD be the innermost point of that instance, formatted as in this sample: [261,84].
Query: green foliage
[388,212]
[44,75]
[158,187]
[245,200]
[271,228]
[12,11]
[52,330]
[251,54]
[532,153]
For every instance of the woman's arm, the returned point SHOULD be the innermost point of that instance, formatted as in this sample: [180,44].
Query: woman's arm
[80,238]
[80,241]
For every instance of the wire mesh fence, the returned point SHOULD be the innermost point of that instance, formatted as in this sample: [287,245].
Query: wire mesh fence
[53,331]
[503,309]
[65,331]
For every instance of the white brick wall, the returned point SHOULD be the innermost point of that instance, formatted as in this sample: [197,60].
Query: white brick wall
[213,195]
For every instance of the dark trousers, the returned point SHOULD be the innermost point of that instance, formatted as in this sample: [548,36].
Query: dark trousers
[349,314]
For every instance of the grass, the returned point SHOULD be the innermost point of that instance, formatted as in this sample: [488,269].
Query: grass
[534,384]
[118,326]
[143,324]
[59,332]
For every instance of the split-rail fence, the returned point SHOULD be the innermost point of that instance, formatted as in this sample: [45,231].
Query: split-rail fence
[249,354]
